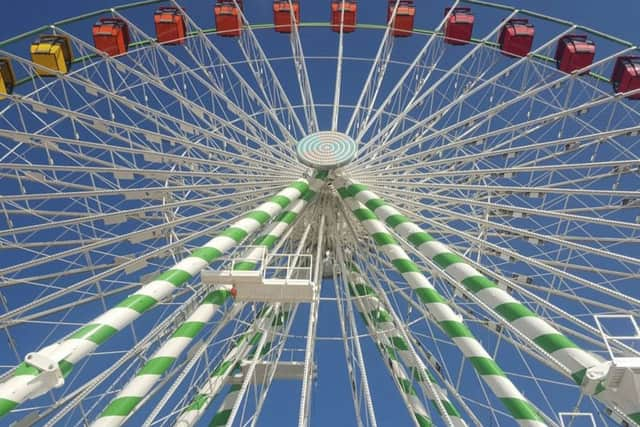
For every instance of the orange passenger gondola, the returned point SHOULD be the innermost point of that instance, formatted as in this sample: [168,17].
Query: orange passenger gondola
[343,15]
[574,52]
[282,14]
[228,18]
[459,27]
[402,25]
[111,35]
[170,25]
[516,37]
[626,75]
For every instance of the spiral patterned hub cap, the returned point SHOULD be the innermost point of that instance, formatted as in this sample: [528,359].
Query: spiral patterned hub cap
[326,150]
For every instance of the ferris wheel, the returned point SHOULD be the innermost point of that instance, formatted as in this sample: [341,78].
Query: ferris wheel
[409,213]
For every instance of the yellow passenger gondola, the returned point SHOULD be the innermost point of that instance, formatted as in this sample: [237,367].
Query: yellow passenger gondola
[52,53]
[7,77]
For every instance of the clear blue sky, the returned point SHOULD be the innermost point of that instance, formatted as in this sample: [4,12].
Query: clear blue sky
[617,17]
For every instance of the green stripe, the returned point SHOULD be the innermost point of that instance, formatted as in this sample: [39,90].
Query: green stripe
[395,220]
[477,283]
[156,366]
[374,204]
[419,374]
[578,377]
[175,277]
[382,239]
[198,403]
[455,329]
[406,386]
[24,369]
[308,195]
[344,192]
[521,409]
[222,368]
[554,342]
[121,407]
[188,330]
[137,302]
[405,266]
[300,186]
[269,240]
[245,266]
[389,351]
[444,260]
[513,311]
[287,217]
[260,216]
[400,343]
[235,233]
[361,290]
[94,332]
[428,296]
[485,366]
[364,214]
[6,406]
[208,254]
[356,188]
[217,297]
[635,417]
[220,418]
[422,420]
[65,367]
[451,410]
[280,200]
[380,316]
[419,238]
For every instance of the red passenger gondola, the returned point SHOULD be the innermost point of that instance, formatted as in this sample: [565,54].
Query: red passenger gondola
[228,18]
[574,52]
[282,10]
[170,25]
[111,35]
[459,27]
[626,75]
[402,25]
[516,37]
[343,15]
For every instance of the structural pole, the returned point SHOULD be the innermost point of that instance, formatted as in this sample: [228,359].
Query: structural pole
[451,323]
[382,327]
[49,366]
[537,330]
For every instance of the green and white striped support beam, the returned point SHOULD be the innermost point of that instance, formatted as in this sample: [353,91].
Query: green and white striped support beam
[138,387]
[382,326]
[277,228]
[544,335]
[548,338]
[127,400]
[221,418]
[451,323]
[218,378]
[29,382]
[374,318]
[404,384]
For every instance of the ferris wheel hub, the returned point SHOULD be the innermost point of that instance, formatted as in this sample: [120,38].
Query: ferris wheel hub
[326,150]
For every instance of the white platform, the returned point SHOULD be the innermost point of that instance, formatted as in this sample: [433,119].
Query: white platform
[251,286]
